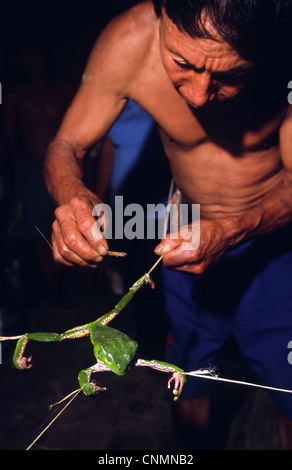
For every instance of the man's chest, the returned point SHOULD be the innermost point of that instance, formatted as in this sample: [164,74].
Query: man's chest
[181,131]
[239,129]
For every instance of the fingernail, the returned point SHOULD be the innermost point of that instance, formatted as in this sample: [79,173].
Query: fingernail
[102,250]
[159,249]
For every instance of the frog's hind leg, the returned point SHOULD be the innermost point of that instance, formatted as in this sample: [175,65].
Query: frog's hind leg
[89,387]
[22,362]
[178,375]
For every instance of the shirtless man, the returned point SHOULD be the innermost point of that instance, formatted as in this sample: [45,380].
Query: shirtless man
[227,131]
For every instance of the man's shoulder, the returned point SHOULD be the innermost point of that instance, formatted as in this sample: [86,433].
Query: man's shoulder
[125,48]
[133,29]
[140,16]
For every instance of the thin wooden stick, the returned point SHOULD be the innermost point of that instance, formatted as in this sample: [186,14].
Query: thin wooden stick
[118,254]
[154,265]
[7,338]
[238,382]
[65,398]
[57,416]
[45,238]
[165,225]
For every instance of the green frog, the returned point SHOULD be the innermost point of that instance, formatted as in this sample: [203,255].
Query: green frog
[113,350]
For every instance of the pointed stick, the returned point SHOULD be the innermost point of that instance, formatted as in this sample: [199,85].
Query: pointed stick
[118,254]
[57,416]
[237,382]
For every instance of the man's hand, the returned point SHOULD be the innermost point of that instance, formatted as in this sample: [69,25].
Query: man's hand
[74,240]
[195,247]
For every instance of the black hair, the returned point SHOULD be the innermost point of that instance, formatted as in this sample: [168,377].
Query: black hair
[259,30]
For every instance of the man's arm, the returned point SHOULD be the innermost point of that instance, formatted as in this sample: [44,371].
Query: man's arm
[217,236]
[72,237]
[103,92]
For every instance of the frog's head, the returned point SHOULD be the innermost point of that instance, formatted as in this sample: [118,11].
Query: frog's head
[113,348]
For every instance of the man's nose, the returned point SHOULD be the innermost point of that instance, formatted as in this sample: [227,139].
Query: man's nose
[201,91]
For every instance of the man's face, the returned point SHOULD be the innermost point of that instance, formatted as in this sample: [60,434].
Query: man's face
[201,70]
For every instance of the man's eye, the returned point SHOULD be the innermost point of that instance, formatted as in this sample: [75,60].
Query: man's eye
[183,65]
[233,80]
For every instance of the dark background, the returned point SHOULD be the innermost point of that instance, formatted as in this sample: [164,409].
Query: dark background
[65,30]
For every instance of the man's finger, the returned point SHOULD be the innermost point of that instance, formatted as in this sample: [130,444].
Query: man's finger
[70,247]
[86,223]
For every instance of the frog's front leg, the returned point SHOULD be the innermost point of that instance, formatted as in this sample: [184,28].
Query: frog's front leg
[105,319]
[178,375]
[88,387]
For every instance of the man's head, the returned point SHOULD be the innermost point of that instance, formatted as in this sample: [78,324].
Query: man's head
[220,43]
[255,28]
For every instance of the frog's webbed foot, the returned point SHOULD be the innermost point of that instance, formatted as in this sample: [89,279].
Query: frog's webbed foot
[19,360]
[24,362]
[90,388]
[179,381]
[178,375]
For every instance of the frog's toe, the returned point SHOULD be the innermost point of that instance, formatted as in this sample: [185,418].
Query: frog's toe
[92,389]
[24,362]
[179,381]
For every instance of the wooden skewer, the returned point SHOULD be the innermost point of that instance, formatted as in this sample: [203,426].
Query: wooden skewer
[119,254]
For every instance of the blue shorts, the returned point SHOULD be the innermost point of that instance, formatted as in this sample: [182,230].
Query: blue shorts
[247,294]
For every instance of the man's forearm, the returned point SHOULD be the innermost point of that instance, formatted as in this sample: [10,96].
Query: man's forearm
[219,235]
[73,239]
[63,174]
[272,213]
